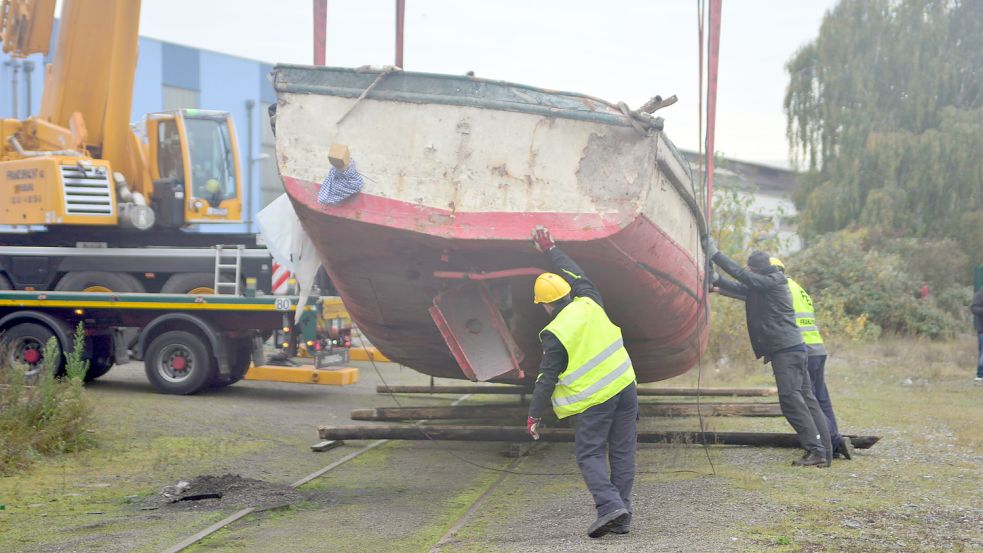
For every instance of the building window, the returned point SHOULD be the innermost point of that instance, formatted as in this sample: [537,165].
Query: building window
[179,98]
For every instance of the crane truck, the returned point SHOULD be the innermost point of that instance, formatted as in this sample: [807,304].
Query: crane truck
[89,202]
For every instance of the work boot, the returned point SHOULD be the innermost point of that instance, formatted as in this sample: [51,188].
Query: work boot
[624,527]
[607,523]
[845,448]
[812,460]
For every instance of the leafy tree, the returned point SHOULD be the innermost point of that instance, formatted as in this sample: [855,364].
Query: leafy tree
[885,113]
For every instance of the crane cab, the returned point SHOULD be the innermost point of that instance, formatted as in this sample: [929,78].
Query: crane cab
[194,167]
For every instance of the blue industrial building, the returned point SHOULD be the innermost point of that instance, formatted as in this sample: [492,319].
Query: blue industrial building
[171,76]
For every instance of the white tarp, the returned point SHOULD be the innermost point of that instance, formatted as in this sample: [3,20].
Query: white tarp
[289,245]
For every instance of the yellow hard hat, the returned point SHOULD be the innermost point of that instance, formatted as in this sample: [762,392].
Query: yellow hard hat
[777,263]
[212,185]
[549,288]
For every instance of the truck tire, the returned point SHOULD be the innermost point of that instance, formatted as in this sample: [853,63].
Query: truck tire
[190,283]
[24,343]
[102,357]
[178,362]
[97,281]
[240,358]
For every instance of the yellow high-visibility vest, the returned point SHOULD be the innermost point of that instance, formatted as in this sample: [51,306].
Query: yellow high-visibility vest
[805,318]
[598,366]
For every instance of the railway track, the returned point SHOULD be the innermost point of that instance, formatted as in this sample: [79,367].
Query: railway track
[444,539]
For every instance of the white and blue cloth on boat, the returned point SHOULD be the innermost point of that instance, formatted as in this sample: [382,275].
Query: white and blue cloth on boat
[339,185]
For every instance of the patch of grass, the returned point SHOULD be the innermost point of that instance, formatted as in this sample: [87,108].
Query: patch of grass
[65,488]
[909,488]
[46,416]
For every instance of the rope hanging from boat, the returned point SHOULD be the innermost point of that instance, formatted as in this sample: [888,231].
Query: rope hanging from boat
[385,72]
[707,172]
[339,185]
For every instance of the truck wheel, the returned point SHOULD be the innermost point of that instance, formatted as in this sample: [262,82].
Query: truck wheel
[102,357]
[177,362]
[240,357]
[96,281]
[24,346]
[190,283]
[193,283]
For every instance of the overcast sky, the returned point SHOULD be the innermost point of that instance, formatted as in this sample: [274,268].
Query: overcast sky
[616,50]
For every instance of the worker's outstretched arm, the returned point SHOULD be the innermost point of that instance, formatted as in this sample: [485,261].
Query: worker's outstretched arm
[748,278]
[553,363]
[566,267]
[731,288]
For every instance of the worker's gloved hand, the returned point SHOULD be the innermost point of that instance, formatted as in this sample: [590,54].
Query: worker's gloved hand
[710,247]
[532,427]
[542,240]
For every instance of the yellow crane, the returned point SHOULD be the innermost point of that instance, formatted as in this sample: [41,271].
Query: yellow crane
[79,174]
[78,162]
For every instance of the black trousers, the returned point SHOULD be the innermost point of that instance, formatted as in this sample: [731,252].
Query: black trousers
[817,374]
[799,404]
[607,433]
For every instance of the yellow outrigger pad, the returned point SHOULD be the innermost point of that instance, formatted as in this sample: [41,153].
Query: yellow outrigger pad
[304,374]
[367,354]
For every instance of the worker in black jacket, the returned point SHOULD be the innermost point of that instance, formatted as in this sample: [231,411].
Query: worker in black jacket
[777,339]
[586,374]
[977,309]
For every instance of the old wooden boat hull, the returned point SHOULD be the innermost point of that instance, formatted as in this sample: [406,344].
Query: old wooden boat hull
[433,259]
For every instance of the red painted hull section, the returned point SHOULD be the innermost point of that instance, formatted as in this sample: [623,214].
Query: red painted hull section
[382,256]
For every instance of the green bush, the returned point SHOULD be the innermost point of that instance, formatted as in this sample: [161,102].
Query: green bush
[879,279]
[863,283]
[729,345]
[45,417]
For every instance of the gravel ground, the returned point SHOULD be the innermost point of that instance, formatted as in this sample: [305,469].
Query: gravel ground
[918,489]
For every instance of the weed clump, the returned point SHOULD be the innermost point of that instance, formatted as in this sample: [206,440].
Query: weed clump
[44,414]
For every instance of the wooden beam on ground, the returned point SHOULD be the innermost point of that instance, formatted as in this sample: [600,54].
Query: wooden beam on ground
[454,389]
[518,412]
[327,445]
[709,392]
[518,434]
[516,390]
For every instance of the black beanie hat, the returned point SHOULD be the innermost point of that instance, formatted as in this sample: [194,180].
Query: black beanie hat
[759,260]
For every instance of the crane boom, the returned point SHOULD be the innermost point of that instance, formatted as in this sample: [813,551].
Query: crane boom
[25,26]
[92,73]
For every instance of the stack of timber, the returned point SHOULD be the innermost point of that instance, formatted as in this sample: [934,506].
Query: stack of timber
[513,415]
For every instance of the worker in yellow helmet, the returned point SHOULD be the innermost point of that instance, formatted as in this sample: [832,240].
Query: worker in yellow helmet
[805,318]
[586,372]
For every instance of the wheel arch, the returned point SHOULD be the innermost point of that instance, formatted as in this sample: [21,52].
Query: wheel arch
[60,328]
[179,321]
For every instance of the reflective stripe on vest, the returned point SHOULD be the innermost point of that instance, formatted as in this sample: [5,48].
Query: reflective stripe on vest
[805,316]
[598,366]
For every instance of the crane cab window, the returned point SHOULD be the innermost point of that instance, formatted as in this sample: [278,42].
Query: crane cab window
[170,161]
[213,175]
